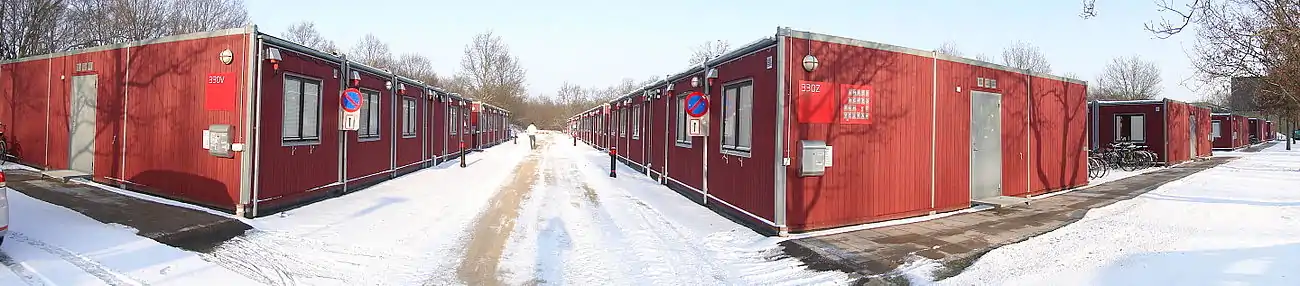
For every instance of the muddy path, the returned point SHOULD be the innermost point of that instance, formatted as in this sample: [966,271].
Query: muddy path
[494,225]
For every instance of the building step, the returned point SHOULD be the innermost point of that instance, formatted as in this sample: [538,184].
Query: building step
[64,175]
[1002,201]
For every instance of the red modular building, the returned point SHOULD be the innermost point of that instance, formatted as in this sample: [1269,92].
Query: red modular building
[809,131]
[1255,127]
[235,119]
[1269,133]
[1176,131]
[1229,131]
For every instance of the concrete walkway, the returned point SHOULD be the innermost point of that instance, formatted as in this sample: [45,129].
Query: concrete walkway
[956,241]
[175,226]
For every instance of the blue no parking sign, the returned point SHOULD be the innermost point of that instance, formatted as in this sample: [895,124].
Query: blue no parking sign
[696,104]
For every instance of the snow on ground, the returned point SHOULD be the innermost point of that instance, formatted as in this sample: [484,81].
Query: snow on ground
[52,245]
[1236,224]
[405,231]
[580,227]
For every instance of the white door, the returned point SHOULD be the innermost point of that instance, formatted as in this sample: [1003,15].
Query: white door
[81,123]
[986,145]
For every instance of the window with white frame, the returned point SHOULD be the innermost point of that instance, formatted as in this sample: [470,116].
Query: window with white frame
[636,121]
[408,117]
[464,123]
[370,110]
[453,116]
[622,123]
[683,138]
[1215,129]
[737,116]
[1130,128]
[301,123]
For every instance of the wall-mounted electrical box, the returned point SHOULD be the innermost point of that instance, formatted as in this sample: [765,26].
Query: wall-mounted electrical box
[814,157]
[218,141]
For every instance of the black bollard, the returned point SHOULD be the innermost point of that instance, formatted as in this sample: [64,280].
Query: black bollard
[575,140]
[613,152]
[462,154]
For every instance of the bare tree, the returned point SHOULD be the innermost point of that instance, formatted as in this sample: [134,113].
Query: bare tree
[189,16]
[708,51]
[29,27]
[417,67]
[1168,26]
[1026,56]
[1129,78]
[305,33]
[491,73]
[949,48]
[372,52]
[985,58]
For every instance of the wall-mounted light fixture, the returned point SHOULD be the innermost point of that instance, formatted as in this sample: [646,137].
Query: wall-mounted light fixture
[356,78]
[712,75]
[226,56]
[810,63]
[695,81]
[401,88]
[273,56]
[388,85]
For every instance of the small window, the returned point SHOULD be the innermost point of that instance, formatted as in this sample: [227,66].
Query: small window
[453,116]
[622,123]
[683,138]
[301,123]
[737,116]
[1130,128]
[408,117]
[636,122]
[1215,129]
[370,110]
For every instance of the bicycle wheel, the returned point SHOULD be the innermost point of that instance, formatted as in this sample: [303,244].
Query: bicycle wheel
[1130,161]
[1094,169]
[4,151]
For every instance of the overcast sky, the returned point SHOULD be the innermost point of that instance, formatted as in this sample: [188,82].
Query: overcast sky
[596,43]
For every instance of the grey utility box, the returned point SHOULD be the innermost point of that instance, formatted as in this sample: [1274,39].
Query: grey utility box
[219,141]
[814,158]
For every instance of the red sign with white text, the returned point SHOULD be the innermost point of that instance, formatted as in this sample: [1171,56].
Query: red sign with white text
[855,104]
[816,102]
[219,92]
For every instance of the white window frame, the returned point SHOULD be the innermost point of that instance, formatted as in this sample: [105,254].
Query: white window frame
[300,139]
[636,121]
[1216,129]
[735,116]
[409,111]
[452,116]
[371,112]
[1140,127]
[684,139]
[622,122]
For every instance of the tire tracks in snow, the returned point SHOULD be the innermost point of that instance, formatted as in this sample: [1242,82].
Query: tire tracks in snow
[492,229]
[86,264]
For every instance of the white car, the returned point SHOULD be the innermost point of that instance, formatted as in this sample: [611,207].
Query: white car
[4,209]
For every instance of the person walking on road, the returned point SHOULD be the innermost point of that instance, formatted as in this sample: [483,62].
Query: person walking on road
[532,135]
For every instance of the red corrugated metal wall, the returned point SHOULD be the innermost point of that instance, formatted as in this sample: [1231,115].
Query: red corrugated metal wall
[1204,143]
[746,181]
[57,141]
[1153,124]
[1178,128]
[659,133]
[281,174]
[365,158]
[880,171]
[436,124]
[166,117]
[952,147]
[1253,128]
[1242,128]
[684,163]
[409,149]
[1058,135]
[26,128]
[1224,141]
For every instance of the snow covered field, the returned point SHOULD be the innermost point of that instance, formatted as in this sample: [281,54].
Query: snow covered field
[52,245]
[1236,224]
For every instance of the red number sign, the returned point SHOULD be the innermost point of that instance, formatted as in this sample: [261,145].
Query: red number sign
[219,92]
[816,102]
[855,104]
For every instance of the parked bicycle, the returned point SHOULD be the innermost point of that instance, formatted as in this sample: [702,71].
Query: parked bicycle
[1097,166]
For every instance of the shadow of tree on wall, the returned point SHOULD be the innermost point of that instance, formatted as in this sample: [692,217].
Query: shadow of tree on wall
[857,66]
[1051,121]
